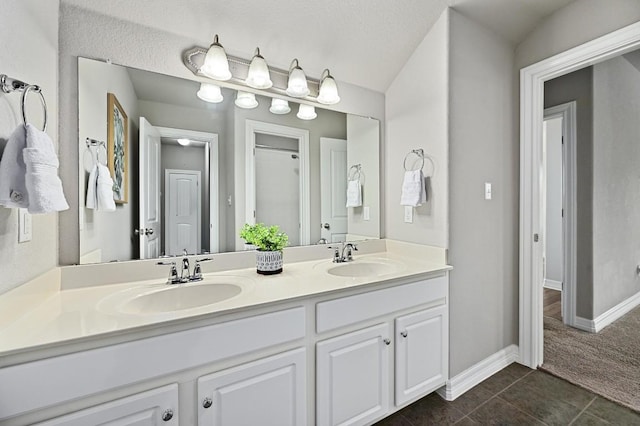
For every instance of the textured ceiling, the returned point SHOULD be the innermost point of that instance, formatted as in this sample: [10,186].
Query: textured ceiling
[363,42]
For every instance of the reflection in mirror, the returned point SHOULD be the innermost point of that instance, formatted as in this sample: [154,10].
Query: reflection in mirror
[196,171]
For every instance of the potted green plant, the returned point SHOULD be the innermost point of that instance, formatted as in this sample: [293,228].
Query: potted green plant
[269,242]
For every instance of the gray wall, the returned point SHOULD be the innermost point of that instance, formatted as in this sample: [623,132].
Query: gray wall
[416,109]
[553,232]
[29,34]
[578,86]
[483,244]
[616,189]
[97,227]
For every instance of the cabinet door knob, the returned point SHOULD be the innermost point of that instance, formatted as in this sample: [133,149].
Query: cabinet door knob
[167,415]
[404,333]
[207,402]
[387,342]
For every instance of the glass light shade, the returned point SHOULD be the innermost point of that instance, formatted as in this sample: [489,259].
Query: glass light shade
[258,76]
[210,93]
[216,64]
[306,112]
[297,85]
[328,93]
[279,106]
[184,142]
[246,100]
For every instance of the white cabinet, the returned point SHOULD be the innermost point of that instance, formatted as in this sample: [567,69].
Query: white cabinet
[267,392]
[151,408]
[421,342]
[352,377]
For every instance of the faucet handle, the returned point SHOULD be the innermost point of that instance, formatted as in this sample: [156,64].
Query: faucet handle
[336,254]
[173,272]
[197,269]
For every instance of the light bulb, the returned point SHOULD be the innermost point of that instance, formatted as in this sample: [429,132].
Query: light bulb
[246,100]
[297,85]
[216,64]
[210,93]
[279,106]
[306,112]
[328,92]
[258,76]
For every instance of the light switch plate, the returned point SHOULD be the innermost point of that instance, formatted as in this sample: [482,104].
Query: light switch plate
[408,214]
[366,214]
[24,226]
[487,191]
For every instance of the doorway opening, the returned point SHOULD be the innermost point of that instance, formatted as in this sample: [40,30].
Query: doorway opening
[277,179]
[532,177]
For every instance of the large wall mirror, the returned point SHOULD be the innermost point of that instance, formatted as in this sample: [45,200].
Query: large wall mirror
[192,172]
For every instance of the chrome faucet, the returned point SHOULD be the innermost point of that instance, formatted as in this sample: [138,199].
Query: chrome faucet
[185,275]
[344,253]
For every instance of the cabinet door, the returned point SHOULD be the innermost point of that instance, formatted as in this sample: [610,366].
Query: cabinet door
[154,407]
[353,377]
[421,353]
[267,392]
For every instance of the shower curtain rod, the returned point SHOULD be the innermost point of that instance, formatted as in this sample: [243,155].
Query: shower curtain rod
[275,148]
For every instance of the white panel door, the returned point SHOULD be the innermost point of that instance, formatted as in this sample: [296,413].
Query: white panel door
[150,214]
[151,408]
[333,189]
[352,382]
[182,212]
[421,353]
[267,392]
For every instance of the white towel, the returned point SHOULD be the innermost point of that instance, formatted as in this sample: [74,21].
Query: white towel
[104,190]
[354,193]
[13,189]
[92,200]
[414,191]
[43,184]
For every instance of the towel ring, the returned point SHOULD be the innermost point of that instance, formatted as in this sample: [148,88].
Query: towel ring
[419,153]
[23,100]
[357,174]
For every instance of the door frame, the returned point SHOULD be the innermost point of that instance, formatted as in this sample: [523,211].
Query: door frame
[167,174]
[212,166]
[568,113]
[253,127]
[532,79]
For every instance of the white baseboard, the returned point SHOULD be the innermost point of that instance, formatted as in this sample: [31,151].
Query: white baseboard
[553,284]
[608,317]
[479,372]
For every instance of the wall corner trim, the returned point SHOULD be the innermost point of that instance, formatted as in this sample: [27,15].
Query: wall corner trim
[601,321]
[479,372]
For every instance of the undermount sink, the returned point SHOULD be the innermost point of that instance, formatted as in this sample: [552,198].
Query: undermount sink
[166,298]
[365,268]
[180,296]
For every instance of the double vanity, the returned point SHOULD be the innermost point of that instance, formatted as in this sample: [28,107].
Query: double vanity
[322,343]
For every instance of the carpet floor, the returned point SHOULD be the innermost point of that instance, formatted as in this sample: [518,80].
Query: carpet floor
[607,363]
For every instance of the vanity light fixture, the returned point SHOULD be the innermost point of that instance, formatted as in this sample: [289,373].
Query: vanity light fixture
[306,112]
[210,93]
[216,64]
[297,84]
[279,106]
[246,100]
[328,92]
[258,76]
[184,141]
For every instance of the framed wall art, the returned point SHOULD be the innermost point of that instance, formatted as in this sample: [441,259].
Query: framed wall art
[118,148]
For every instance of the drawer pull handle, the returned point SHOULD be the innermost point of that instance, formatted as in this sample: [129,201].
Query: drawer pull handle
[404,333]
[387,342]
[207,402]
[167,415]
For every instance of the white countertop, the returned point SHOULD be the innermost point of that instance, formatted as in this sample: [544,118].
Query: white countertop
[30,323]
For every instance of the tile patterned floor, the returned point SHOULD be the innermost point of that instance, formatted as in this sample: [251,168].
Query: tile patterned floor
[516,395]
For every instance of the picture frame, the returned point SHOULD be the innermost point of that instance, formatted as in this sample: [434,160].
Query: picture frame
[118,148]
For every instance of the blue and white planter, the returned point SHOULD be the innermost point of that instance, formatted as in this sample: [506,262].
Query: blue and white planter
[268,262]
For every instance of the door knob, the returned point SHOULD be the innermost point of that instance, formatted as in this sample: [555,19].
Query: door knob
[387,342]
[404,333]
[148,231]
[167,415]
[207,402]
[138,232]
[326,226]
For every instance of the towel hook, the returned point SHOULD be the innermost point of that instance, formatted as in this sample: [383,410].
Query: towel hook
[419,152]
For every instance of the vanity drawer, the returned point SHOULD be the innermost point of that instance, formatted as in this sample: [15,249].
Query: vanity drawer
[99,370]
[361,307]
